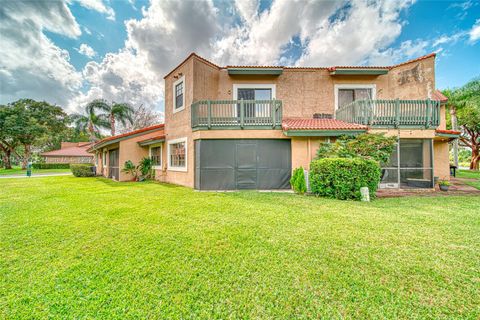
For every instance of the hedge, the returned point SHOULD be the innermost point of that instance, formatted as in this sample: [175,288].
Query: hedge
[82,170]
[342,178]
[298,182]
[50,165]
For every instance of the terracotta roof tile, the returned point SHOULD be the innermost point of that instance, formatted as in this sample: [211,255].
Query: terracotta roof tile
[77,151]
[161,136]
[447,131]
[157,126]
[439,96]
[319,124]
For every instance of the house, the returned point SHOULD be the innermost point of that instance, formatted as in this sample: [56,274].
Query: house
[248,127]
[69,152]
[111,153]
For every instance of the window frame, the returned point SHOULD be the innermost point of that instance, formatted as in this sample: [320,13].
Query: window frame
[271,86]
[156,145]
[371,86]
[175,84]
[169,164]
[104,158]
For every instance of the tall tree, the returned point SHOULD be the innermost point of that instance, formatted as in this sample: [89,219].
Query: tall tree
[122,113]
[92,120]
[28,123]
[142,117]
[466,101]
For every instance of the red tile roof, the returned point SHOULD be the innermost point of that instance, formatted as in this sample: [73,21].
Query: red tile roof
[123,135]
[332,68]
[319,124]
[76,151]
[439,96]
[447,131]
[159,137]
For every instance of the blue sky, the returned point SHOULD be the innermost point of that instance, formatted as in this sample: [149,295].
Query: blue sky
[120,49]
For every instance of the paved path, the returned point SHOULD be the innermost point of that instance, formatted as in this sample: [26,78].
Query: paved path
[37,175]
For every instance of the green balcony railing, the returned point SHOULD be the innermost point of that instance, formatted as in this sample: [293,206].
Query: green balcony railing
[237,114]
[392,113]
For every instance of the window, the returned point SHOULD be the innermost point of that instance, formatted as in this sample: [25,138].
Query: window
[345,94]
[156,156]
[177,154]
[254,92]
[179,94]
[104,158]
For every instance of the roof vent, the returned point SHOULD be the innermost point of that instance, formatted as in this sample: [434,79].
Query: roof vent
[322,116]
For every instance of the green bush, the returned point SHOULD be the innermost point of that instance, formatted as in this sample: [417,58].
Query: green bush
[82,170]
[298,182]
[51,165]
[342,178]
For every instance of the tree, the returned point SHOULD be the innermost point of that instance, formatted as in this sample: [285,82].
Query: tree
[466,103]
[142,117]
[91,121]
[28,123]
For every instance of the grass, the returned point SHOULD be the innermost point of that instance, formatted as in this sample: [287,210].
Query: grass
[17,171]
[92,248]
[469,174]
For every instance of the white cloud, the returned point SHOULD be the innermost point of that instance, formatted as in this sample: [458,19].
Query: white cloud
[475,31]
[99,6]
[31,65]
[86,50]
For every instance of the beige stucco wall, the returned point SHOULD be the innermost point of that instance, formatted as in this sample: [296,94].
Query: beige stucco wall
[441,159]
[303,92]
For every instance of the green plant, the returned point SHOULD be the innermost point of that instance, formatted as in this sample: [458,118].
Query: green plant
[298,182]
[131,169]
[50,165]
[82,170]
[370,146]
[145,167]
[342,178]
[444,183]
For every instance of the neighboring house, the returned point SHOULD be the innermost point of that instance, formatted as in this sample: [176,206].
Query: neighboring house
[69,152]
[111,153]
[247,127]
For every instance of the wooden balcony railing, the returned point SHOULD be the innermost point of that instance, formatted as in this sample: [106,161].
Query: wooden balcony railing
[392,113]
[237,114]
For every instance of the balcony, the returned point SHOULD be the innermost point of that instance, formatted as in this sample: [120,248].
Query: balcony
[392,113]
[237,114]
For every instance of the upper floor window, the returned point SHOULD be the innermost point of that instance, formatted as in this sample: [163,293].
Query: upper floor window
[179,94]
[346,94]
[254,92]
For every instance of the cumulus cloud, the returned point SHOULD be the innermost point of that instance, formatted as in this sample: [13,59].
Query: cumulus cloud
[99,6]
[86,50]
[474,33]
[31,65]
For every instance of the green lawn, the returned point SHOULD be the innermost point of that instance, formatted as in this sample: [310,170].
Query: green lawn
[469,174]
[92,248]
[18,171]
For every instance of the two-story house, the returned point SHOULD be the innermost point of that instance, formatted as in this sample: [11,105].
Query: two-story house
[247,127]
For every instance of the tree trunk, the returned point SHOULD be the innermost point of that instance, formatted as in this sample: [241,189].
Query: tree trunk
[7,164]
[475,159]
[91,132]
[112,124]
[453,113]
[26,156]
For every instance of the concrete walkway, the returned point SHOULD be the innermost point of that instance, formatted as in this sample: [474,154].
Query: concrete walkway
[17,176]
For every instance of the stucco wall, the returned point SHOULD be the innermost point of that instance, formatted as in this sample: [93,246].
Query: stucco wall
[441,160]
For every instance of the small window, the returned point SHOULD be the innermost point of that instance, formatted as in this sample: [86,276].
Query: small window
[104,158]
[156,156]
[177,154]
[179,95]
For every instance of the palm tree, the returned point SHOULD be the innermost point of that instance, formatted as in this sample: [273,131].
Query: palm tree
[91,121]
[121,112]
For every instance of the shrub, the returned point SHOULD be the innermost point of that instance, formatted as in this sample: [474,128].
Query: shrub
[370,146]
[298,182]
[82,170]
[145,167]
[131,169]
[50,165]
[342,178]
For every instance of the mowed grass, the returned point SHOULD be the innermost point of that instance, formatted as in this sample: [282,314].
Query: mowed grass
[17,171]
[91,248]
[470,174]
